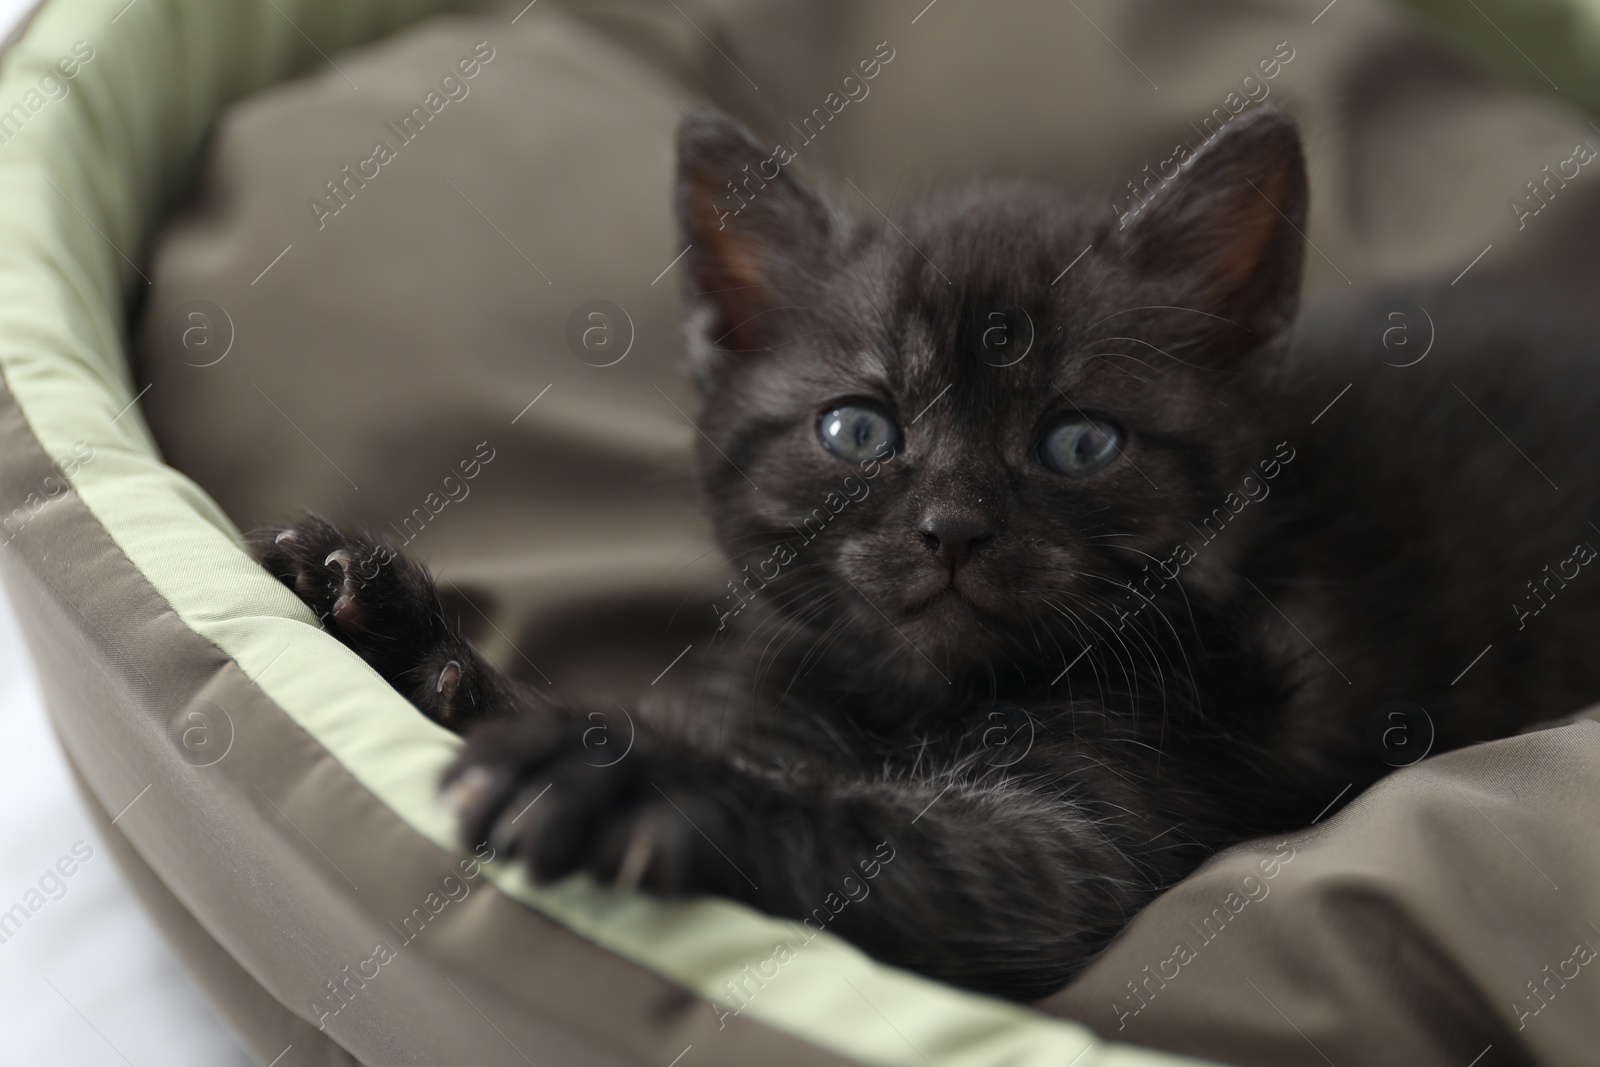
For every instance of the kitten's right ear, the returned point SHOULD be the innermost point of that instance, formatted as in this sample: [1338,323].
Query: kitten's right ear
[1228,233]
[752,227]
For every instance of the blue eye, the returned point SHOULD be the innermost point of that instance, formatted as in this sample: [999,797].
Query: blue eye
[1079,446]
[857,432]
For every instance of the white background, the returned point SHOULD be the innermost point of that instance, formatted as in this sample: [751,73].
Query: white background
[87,981]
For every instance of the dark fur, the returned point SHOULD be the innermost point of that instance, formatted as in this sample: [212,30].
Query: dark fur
[867,696]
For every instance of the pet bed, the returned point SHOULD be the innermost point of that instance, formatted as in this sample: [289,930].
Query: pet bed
[321,323]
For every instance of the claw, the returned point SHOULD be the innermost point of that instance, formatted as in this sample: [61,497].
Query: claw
[284,535]
[449,678]
[347,589]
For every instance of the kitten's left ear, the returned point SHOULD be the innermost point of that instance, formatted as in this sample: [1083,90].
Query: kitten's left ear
[1227,232]
[754,230]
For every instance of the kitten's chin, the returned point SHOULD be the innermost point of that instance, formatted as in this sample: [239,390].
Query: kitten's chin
[951,629]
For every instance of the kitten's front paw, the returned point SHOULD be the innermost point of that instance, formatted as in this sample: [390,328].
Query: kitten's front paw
[333,572]
[543,788]
[383,606]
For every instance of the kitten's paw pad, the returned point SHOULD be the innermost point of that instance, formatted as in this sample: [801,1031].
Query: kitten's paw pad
[540,789]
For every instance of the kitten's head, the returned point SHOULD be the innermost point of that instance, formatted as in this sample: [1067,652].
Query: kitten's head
[951,441]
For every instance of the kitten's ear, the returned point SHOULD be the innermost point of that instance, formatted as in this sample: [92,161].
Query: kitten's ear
[752,228]
[1228,229]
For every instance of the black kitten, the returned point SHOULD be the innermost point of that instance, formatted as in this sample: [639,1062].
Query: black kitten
[1074,559]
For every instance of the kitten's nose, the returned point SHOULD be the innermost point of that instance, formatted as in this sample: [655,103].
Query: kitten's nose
[953,536]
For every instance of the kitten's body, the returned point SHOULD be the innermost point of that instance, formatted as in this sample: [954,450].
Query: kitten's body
[1431,495]
[1052,720]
